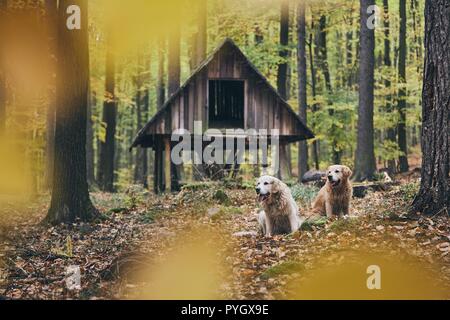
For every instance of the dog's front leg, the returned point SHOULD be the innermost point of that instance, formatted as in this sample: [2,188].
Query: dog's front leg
[328,209]
[346,210]
[269,227]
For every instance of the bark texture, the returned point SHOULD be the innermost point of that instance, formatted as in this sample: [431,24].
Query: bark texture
[365,164]
[302,82]
[107,147]
[70,197]
[434,191]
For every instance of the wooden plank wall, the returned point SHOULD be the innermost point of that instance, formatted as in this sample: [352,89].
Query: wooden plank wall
[263,109]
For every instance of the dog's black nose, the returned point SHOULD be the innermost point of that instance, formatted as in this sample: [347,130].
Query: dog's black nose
[258,190]
[330,178]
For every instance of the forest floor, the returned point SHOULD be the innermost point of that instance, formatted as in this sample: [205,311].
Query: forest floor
[203,243]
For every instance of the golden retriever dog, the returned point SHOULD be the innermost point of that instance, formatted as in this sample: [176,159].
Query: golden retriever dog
[335,197]
[280,214]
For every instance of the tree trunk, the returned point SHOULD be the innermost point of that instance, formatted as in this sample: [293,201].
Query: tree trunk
[302,82]
[391,136]
[3,9]
[202,38]
[401,128]
[349,50]
[174,85]
[70,198]
[434,191]
[284,42]
[51,13]
[365,165]
[140,177]
[106,174]
[161,87]
[199,171]
[323,63]
[314,93]
[285,170]
[92,101]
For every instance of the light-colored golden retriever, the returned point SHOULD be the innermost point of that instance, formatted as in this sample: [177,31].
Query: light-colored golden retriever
[335,197]
[280,214]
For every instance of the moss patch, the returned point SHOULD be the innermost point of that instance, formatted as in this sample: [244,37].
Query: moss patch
[284,268]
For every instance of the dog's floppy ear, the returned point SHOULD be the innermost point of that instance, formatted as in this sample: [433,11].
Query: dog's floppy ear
[277,186]
[347,172]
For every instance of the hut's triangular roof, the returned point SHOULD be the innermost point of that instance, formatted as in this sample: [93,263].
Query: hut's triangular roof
[227,43]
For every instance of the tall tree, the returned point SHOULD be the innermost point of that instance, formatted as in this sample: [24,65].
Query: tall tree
[323,63]
[51,20]
[434,191]
[90,166]
[285,168]
[70,197]
[199,171]
[161,86]
[302,93]
[202,35]
[284,42]
[3,8]
[174,84]
[315,147]
[365,165]
[142,106]
[109,118]
[401,128]
[391,136]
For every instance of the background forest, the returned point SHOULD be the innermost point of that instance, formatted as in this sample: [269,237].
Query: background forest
[130,51]
[79,79]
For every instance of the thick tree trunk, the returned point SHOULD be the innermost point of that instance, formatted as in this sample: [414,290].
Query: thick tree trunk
[365,165]
[302,93]
[391,136]
[434,191]
[401,128]
[106,174]
[51,16]
[70,197]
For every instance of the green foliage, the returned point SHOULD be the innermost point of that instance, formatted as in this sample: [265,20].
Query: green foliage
[283,268]
[221,197]
[346,224]
[223,212]
[409,191]
[313,222]
[135,195]
[304,194]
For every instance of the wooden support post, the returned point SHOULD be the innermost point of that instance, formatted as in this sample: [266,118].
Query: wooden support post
[167,165]
[158,179]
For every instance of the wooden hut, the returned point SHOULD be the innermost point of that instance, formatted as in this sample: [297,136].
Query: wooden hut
[225,91]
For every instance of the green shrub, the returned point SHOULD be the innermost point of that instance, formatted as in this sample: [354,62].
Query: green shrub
[221,197]
[304,193]
[409,191]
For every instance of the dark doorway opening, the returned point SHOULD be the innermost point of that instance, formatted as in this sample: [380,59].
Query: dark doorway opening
[226,104]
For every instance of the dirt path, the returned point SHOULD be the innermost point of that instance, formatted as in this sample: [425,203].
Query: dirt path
[202,244]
